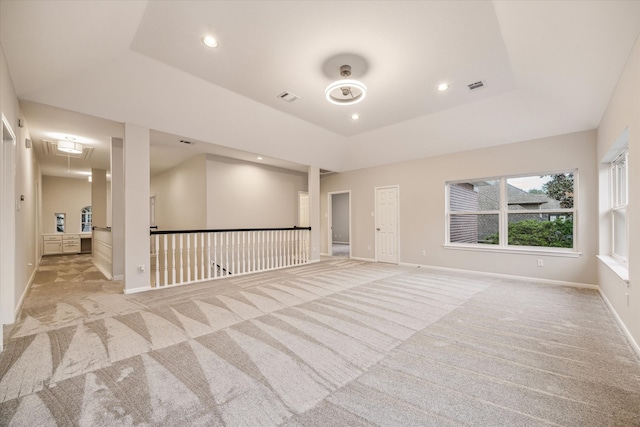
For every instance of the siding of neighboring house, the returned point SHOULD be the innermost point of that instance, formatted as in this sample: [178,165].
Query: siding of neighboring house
[463,228]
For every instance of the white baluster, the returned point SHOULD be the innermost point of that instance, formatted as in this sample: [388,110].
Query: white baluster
[288,233]
[173,258]
[188,238]
[226,249]
[253,251]
[208,256]
[181,252]
[260,251]
[280,248]
[216,258]
[156,241]
[244,270]
[202,256]
[165,267]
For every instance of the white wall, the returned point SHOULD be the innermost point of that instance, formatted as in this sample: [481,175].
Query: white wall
[181,196]
[422,205]
[28,184]
[20,238]
[64,195]
[248,195]
[623,112]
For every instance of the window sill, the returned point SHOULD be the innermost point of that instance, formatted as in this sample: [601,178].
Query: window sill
[515,250]
[620,270]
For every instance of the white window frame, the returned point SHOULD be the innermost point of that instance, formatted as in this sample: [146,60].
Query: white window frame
[620,200]
[82,222]
[503,218]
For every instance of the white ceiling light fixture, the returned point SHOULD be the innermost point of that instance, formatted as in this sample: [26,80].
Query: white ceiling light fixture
[442,87]
[355,116]
[209,41]
[70,147]
[346,91]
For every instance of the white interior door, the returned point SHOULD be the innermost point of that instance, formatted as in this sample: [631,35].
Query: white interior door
[387,224]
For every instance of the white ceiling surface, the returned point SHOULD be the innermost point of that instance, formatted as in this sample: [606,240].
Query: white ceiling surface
[549,67]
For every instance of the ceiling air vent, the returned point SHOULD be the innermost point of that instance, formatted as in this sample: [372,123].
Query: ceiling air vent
[184,141]
[288,96]
[476,85]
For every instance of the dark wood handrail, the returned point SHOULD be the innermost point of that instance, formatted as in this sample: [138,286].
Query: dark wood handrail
[152,232]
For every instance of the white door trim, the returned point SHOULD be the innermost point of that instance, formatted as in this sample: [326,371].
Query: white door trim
[7,223]
[375,231]
[330,222]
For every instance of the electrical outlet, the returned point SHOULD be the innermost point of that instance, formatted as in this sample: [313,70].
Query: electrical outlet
[424,253]
[141,268]
[540,263]
[368,248]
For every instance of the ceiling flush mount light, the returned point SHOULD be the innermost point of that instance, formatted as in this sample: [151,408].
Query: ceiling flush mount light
[355,116]
[70,147]
[345,92]
[442,87]
[209,41]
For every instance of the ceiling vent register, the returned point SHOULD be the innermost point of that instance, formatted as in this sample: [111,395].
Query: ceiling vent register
[50,148]
[288,97]
[477,85]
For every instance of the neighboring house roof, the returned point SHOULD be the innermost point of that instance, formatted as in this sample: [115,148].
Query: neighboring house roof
[489,199]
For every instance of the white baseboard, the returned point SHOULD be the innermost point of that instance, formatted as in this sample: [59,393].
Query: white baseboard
[357,258]
[16,312]
[504,276]
[138,290]
[623,327]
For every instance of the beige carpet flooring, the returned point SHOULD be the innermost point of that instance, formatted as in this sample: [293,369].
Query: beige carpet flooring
[337,343]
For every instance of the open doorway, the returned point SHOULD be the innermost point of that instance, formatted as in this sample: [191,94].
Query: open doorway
[340,224]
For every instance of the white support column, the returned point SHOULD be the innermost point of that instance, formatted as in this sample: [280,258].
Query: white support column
[117,208]
[99,197]
[314,213]
[137,247]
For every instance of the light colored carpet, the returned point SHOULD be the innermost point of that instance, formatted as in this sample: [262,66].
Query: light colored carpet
[338,343]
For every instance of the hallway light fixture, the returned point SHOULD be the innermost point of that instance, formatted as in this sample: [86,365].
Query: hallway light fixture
[346,91]
[70,147]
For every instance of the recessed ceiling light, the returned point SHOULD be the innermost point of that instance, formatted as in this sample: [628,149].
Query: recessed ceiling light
[209,41]
[355,116]
[259,158]
[442,87]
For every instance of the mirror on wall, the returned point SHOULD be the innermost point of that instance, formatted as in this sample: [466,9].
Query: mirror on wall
[59,222]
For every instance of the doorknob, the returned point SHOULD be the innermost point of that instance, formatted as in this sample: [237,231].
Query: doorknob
[377,229]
